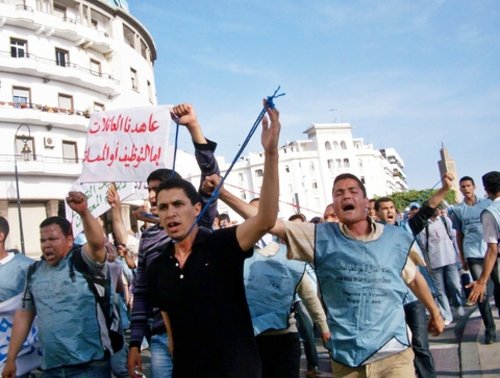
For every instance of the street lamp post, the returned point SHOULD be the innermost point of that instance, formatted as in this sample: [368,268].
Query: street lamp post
[26,151]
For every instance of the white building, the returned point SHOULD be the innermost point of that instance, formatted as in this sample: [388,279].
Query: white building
[308,167]
[61,60]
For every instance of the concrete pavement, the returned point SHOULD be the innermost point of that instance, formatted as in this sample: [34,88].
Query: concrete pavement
[458,352]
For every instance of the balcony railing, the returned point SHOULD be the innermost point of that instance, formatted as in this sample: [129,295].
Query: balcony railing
[44,108]
[38,59]
[39,158]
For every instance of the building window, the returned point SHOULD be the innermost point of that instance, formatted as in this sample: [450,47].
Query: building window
[18,48]
[259,173]
[62,57]
[70,154]
[335,145]
[311,166]
[287,168]
[314,185]
[144,50]
[243,195]
[21,96]
[94,23]
[338,163]
[362,179]
[65,102]
[134,79]
[95,67]
[150,91]
[59,11]
[329,162]
[98,107]
[343,145]
[328,146]
[346,163]
[240,177]
[360,163]
[129,36]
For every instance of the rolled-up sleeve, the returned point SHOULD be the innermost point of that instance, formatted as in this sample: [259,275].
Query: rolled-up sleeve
[300,241]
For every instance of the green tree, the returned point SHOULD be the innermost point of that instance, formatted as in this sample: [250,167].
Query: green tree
[403,199]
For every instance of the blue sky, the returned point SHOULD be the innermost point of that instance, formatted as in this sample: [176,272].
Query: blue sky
[405,74]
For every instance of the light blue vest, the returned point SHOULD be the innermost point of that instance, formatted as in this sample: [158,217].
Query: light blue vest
[13,276]
[67,315]
[470,219]
[270,285]
[363,290]
[494,209]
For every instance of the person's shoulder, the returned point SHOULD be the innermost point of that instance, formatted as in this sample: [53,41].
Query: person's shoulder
[23,260]
[485,202]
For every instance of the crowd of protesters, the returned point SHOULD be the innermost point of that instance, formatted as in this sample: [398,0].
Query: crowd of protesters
[211,297]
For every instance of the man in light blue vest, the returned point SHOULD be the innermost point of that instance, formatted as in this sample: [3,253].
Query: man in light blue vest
[13,269]
[467,221]
[414,309]
[73,331]
[490,219]
[362,268]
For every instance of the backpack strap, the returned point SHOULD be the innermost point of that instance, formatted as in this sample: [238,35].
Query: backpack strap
[76,262]
[31,269]
[448,231]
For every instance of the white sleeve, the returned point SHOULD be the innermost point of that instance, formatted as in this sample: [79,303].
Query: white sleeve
[491,233]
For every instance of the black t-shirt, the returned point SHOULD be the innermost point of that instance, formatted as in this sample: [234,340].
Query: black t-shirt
[206,303]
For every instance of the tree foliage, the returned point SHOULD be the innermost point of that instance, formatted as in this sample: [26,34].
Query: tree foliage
[403,199]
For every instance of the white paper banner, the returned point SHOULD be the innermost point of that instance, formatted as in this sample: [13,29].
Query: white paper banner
[97,200]
[126,144]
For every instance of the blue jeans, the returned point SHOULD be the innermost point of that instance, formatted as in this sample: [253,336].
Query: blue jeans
[161,360]
[476,268]
[306,332]
[447,281]
[119,363]
[92,369]
[417,321]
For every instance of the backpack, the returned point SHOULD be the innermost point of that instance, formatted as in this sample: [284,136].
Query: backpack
[105,301]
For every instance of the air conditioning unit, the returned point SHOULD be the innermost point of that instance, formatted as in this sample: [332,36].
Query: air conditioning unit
[48,142]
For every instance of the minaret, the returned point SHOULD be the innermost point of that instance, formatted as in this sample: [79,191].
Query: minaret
[447,164]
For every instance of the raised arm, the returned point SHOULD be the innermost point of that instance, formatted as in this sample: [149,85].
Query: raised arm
[204,150]
[119,230]
[250,231]
[77,201]
[244,209]
[419,220]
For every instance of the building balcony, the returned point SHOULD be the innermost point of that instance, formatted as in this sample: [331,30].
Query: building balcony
[71,73]
[41,166]
[74,29]
[38,114]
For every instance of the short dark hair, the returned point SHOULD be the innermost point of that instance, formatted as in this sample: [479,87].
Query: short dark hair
[62,222]
[491,182]
[346,176]
[380,200]
[224,216]
[300,216]
[4,226]
[467,178]
[162,174]
[256,199]
[186,186]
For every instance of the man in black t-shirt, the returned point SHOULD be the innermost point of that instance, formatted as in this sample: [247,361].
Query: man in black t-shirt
[198,282]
